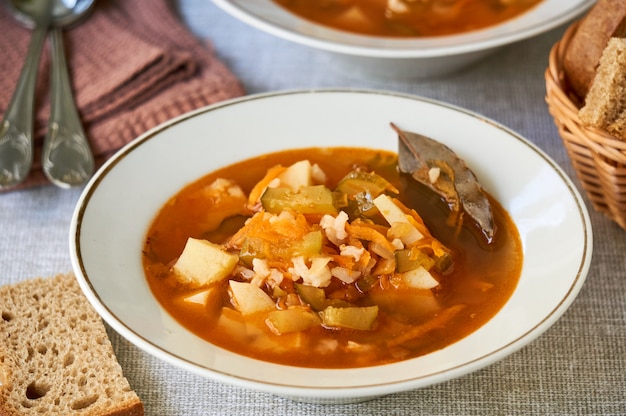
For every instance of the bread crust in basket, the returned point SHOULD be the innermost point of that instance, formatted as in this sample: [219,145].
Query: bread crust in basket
[598,158]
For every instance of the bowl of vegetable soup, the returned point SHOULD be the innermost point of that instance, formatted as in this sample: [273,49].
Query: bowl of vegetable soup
[404,39]
[335,247]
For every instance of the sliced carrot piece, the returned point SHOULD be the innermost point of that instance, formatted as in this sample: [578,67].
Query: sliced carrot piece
[259,188]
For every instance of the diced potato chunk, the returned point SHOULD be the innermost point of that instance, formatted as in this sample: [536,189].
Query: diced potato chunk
[360,318]
[203,263]
[294,319]
[419,278]
[232,322]
[208,299]
[297,175]
[198,298]
[393,214]
[249,299]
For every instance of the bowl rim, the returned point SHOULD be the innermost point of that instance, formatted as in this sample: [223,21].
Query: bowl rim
[320,37]
[305,393]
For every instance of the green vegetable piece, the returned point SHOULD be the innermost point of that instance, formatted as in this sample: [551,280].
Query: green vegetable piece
[359,182]
[309,246]
[366,283]
[294,319]
[444,263]
[316,199]
[252,248]
[316,298]
[340,200]
[412,258]
[361,205]
[360,189]
[313,296]
[359,318]
[278,292]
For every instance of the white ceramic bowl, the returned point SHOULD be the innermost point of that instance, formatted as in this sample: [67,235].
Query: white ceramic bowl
[112,216]
[402,58]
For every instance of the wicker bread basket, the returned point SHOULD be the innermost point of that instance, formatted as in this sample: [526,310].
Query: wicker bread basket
[598,158]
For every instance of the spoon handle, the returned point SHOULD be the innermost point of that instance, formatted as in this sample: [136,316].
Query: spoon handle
[67,159]
[16,129]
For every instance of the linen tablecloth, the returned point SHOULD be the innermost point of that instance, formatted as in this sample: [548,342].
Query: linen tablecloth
[578,367]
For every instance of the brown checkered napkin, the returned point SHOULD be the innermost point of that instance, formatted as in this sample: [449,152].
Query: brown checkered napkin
[133,65]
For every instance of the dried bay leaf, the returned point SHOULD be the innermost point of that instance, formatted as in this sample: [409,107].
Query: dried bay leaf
[436,166]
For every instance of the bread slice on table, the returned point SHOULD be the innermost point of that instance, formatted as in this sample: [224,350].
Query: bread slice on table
[605,106]
[605,20]
[55,355]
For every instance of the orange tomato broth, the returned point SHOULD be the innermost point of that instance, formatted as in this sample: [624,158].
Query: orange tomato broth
[483,278]
[406,18]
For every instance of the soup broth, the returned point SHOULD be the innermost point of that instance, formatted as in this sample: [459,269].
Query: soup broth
[410,321]
[408,18]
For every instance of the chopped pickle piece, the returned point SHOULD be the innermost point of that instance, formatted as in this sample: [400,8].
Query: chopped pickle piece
[309,246]
[279,292]
[316,298]
[366,283]
[412,258]
[362,205]
[358,182]
[340,200]
[316,199]
[360,318]
[294,319]
[360,188]
[256,247]
[313,296]
[444,263]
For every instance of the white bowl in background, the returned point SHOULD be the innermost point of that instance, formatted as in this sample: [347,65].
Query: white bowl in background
[403,58]
[113,214]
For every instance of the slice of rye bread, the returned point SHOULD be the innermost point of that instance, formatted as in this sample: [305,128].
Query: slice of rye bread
[605,20]
[605,106]
[55,355]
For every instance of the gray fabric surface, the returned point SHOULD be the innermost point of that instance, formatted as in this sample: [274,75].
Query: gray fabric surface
[578,367]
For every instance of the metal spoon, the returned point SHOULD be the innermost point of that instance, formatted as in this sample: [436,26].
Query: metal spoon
[16,129]
[67,159]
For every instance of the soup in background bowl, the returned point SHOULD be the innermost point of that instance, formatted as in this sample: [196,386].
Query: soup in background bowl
[388,57]
[114,214]
[409,18]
